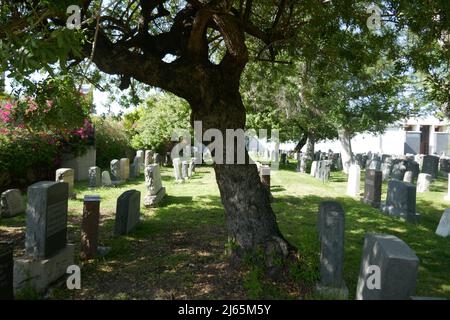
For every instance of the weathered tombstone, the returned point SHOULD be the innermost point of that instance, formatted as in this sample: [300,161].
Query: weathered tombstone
[127,212]
[444,166]
[323,170]
[89,227]
[137,162]
[157,158]
[132,171]
[124,169]
[11,203]
[398,169]
[430,165]
[106,179]
[47,253]
[372,188]
[331,227]
[408,177]
[6,271]
[398,266]
[353,183]
[401,201]
[177,169]
[443,228]
[386,168]
[148,157]
[313,172]
[95,177]
[424,182]
[66,175]
[115,170]
[303,164]
[155,190]
[184,170]
[46,232]
[414,167]
[191,167]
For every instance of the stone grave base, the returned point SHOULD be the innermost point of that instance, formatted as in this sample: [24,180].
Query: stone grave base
[414,219]
[332,293]
[40,274]
[151,201]
[371,203]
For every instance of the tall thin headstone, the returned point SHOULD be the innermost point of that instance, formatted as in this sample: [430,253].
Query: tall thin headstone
[424,182]
[95,177]
[353,183]
[372,188]
[89,227]
[155,190]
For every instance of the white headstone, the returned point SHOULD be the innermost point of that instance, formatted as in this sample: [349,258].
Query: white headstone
[353,184]
[423,182]
[11,203]
[66,175]
[443,228]
[106,179]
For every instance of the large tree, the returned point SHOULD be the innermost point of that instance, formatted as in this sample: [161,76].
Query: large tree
[196,49]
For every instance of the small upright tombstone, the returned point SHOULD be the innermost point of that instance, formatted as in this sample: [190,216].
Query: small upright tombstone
[141,155]
[313,172]
[125,169]
[95,177]
[443,228]
[155,190]
[414,167]
[184,169]
[106,179]
[303,164]
[67,175]
[401,201]
[6,271]
[115,170]
[127,212]
[353,183]
[331,225]
[372,188]
[408,177]
[177,169]
[424,182]
[191,167]
[89,227]
[393,262]
[11,203]
[430,165]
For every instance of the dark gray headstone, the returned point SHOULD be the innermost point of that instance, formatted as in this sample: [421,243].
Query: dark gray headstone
[401,200]
[331,225]
[372,188]
[6,271]
[444,166]
[414,167]
[398,266]
[46,232]
[115,170]
[398,169]
[127,212]
[430,165]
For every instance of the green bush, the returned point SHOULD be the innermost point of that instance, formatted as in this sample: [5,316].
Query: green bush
[111,141]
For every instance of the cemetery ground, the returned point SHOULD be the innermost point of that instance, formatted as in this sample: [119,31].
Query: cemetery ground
[179,249]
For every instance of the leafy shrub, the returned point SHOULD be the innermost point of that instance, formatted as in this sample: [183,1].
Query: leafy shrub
[111,141]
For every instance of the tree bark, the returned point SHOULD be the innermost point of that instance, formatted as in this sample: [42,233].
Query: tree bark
[301,143]
[346,149]
[250,220]
[310,146]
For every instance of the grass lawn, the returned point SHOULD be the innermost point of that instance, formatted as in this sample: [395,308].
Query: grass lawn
[178,251]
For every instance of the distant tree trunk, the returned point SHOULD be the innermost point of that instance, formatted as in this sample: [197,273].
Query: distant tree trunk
[310,146]
[346,149]
[301,142]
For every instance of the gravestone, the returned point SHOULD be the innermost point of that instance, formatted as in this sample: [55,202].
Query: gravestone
[47,253]
[155,190]
[138,165]
[177,169]
[414,167]
[184,169]
[424,182]
[408,177]
[133,173]
[331,225]
[443,228]
[372,188]
[375,164]
[66,175]
[398,265]
[323,170]
[148,157]
[386,168]
[106,179]
[398,169]
[303,164]
[401,201]
[89,227]
[127,212]
[444,166]
[11,203]
[124,169]
[313,172]
[46,231]
[430,165]
[95,177]
[191,168]
[6,271]
[353,183]
[447,196]
[115,170]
